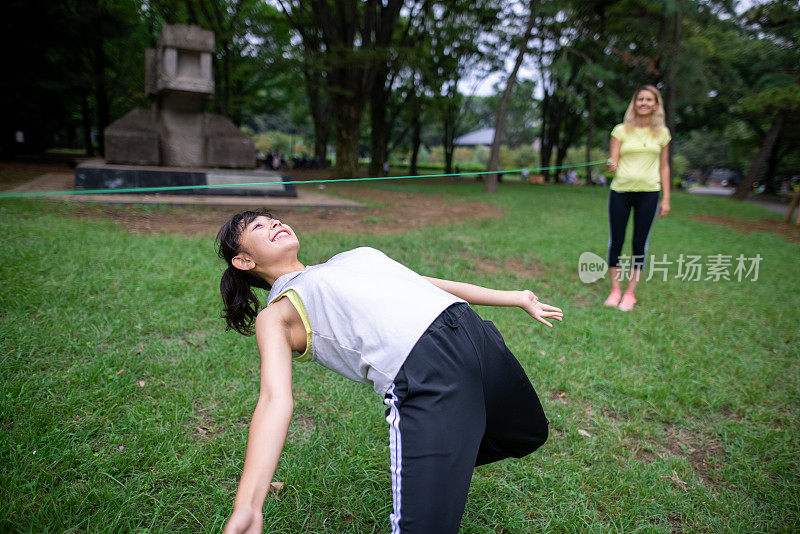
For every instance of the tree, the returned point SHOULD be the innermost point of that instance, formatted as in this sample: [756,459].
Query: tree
[460,42]
[356,39]
[777,107]
[490,184]
[72,64]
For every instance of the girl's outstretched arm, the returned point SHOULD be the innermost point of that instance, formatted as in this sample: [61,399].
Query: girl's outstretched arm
[494,297]
[271,417]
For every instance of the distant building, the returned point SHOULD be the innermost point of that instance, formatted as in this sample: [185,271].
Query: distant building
[483,137]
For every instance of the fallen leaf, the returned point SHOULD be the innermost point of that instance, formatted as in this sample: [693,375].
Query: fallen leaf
[141,383]
[676,480]
[192,343]
[275,487]
[582,432]
[562,394]
[120,372]
[542,352]
[561,359]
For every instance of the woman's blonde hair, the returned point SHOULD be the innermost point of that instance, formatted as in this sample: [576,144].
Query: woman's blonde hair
[657,117]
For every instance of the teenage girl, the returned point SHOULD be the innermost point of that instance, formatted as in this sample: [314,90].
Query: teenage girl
[456,396]
[639,157]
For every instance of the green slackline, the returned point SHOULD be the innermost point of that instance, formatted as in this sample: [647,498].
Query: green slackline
[34,194]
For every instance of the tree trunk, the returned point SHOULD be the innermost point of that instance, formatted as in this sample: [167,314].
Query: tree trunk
[321,135]
[792,206]
[565,140]
[347,121]
[590,137]
[551,134]
[449,125]
[760,161]
[416,138]
[101,96]
[772,166]
[544,142]
[87,125]
[672,72]
[490,185]
[379,131]
[447,144]
[319,103]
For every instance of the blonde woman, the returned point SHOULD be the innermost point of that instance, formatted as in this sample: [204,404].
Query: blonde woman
[639,157]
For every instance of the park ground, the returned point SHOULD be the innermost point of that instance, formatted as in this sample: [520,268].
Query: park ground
[124,404]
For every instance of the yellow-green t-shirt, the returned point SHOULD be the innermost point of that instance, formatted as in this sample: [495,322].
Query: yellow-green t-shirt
[639,156]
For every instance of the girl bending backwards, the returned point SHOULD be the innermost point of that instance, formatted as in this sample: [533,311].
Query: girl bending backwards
[456,396]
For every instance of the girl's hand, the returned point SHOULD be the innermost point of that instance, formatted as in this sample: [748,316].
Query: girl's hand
[664,211]
[539,310]
[611,165]
[244,521]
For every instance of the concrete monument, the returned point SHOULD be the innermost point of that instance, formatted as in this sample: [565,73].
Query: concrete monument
[175,135]
[175,131]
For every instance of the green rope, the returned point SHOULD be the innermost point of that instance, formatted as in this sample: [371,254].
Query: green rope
[35,194]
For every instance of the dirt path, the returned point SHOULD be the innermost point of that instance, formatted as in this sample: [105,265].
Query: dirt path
[389,212]
[386,212]
[788,230]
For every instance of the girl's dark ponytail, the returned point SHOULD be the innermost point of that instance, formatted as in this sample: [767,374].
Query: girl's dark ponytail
[241,304]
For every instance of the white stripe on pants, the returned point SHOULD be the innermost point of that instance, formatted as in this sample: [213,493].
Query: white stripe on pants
[396,457]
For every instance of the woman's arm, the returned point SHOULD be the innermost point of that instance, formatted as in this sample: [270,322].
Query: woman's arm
[274,333]
[663,167]
[483,296]
[613,154]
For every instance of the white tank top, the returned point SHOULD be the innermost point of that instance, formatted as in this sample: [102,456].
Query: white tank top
[366,312]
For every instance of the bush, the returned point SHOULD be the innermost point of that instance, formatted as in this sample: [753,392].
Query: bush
[272,140]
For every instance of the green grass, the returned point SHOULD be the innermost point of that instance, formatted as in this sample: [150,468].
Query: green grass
[114,340]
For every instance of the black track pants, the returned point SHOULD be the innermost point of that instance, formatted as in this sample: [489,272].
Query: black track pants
[460,400]
[645,206]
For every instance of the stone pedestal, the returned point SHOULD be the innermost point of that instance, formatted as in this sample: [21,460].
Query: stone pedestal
[100,175]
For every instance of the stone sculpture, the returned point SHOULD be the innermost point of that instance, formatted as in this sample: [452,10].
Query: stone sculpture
[175,131]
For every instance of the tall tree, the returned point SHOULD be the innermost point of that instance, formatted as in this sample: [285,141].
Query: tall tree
[490,184]
[389,94]
[776,107]
[770,110]
[461,45]
[356,41]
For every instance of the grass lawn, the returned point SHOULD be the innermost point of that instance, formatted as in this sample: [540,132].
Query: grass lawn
[124,404]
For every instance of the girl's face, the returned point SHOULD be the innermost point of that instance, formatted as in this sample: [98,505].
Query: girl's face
[645,103]
[268,242]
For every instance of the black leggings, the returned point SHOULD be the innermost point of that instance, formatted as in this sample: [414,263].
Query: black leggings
[645,206]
